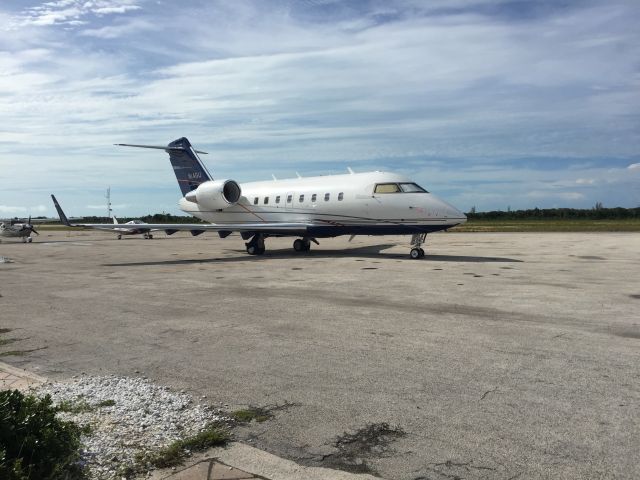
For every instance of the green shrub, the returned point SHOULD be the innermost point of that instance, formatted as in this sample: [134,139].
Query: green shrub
[34,444]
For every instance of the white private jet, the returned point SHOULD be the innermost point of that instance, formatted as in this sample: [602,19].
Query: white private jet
[374,203]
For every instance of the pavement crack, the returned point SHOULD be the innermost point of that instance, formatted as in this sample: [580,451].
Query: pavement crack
[484,395]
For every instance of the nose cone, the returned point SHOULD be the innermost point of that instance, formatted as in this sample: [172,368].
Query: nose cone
[448,211]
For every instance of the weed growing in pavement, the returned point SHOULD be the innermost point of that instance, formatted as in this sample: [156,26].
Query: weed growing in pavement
[214,435]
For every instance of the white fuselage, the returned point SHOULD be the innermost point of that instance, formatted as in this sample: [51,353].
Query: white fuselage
[348,202]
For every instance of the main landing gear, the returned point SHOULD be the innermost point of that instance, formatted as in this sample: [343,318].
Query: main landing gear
[27,239]
[256,245]
[303,244]
[148,236]
[417,239]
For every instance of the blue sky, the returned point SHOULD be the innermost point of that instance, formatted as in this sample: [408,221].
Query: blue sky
[487,103]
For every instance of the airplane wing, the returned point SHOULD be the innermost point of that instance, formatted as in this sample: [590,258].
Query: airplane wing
[274,228]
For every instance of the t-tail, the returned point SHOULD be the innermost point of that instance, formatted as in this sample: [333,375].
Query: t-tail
[63,217]
[189,169]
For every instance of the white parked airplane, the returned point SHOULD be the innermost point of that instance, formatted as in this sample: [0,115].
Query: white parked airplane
[132,227]
[375,203]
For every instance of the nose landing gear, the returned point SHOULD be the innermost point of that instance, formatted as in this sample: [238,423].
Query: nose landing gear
[417,239]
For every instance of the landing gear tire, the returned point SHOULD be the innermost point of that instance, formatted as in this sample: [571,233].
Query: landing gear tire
[150,237]
[119,237]
[301,245]
[415,253]
[29,239]
[421,252]
[255,250]
[256,245]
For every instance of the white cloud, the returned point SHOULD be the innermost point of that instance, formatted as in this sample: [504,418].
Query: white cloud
[634,166]
[585,181]
[70,12]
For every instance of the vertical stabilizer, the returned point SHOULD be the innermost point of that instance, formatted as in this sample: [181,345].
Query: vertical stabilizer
[189,169]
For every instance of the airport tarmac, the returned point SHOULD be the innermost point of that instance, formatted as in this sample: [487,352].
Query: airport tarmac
[499,355]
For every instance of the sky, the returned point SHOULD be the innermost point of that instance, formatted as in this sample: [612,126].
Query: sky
[492,104]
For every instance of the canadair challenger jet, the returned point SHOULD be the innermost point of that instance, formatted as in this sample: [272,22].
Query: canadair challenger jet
[374,203]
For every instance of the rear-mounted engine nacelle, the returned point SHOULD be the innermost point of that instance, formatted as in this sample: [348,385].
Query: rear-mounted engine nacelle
[215,194]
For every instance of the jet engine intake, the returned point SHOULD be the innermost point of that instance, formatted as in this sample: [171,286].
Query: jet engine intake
[215,194]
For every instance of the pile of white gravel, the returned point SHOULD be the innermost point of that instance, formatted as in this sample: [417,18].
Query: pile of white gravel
[143,418]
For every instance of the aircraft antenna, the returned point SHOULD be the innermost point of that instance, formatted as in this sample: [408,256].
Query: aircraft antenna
[108,197]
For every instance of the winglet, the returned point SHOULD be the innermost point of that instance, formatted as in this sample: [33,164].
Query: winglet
[63,217]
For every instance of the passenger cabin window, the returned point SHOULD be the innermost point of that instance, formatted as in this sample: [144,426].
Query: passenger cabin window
[266,200]
[326,197]
[289,198]
[278,199]
[340,196]
[314,197]
[301,199]
[255,201]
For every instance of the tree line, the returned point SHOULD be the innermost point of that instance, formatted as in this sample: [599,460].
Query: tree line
[596,213]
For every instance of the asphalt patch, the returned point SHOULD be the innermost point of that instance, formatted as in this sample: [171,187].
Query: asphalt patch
[354,449]
[635,295]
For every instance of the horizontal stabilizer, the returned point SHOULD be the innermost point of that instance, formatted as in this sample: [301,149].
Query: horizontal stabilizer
[158,147]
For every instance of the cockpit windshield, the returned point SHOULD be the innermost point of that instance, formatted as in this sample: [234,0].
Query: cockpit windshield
[398,188]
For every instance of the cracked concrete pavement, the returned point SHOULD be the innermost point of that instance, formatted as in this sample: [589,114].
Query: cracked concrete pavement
[499,355]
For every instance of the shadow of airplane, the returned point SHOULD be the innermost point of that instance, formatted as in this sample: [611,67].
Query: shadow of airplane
[374,252]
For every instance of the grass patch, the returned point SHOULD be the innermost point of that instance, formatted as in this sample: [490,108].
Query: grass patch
[550,225]
[7,341]
[75,406]
[247,415]
[106,403]
[4,330]
[15,353]
[212,436]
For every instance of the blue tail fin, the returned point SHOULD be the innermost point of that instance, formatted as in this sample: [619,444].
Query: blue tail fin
[190,171]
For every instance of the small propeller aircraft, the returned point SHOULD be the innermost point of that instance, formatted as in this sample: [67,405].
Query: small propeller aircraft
[16,229]
[132,227]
